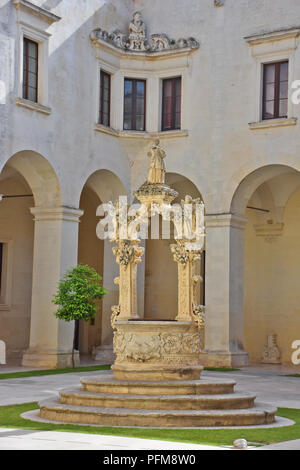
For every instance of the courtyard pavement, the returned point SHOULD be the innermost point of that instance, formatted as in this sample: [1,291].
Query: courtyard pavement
[269,384]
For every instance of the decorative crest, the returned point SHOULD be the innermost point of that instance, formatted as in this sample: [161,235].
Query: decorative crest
[137,41]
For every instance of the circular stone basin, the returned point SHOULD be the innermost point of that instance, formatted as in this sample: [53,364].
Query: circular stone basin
[156,350]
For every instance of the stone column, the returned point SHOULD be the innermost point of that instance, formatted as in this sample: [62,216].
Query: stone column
[55,251]
[128,255]
[224,278]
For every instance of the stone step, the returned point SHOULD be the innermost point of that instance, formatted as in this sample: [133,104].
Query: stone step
[106,383]
[160,402]
[53,410]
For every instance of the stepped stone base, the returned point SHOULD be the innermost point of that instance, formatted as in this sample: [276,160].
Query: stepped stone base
[156,373]
[105,400]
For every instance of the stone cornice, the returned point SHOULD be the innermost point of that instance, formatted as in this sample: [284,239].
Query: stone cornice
[43,214]
[140,55]
[261,38]
[226,220]
[28,7]
[137,45]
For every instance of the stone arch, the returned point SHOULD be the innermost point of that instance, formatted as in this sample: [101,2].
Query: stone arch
[101,186]
[271,256]
[252,181]
[39,175]
[30,180]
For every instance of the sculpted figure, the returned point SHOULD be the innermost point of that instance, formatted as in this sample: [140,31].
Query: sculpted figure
[137,33]
[157,170]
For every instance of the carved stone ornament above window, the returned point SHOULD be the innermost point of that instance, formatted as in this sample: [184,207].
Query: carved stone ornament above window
[219,3]
[137,40]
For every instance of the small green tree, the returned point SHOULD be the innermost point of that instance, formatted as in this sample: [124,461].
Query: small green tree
[77,296]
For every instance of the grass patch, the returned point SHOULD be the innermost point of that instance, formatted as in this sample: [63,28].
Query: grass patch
[10,418]
[292,375]
[36,373]
[220,369]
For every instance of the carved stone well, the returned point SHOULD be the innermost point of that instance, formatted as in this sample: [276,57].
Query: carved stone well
[156,350]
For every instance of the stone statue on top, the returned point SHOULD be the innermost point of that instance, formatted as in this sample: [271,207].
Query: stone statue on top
[157,170]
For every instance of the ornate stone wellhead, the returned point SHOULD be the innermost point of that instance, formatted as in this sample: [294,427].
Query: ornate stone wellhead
[169,348]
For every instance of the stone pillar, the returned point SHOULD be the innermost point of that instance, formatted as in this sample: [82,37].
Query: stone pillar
[128,256]
[55,251]
[186,262]
[224,278]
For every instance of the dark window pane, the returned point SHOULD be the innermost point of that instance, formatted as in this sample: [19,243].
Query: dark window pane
[275,90]
[178,121]
[127,122]
[283,107]
[284,89]
[284,70]
[104,115]
[168,88]
[270,73]
[140,105]
[171,103]
[32,79]
[140,88]
[269,113]
[270,91]
[32,65]
[178,86]
[140,123]
[31,94]
[128,87]
[32,50]
[30,70]
[134,104]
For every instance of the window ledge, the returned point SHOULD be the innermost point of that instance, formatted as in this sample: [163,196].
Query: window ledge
[33,106]
[140,134]
[270,123]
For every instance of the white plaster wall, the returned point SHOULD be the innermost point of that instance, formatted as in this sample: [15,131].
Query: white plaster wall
[219,95]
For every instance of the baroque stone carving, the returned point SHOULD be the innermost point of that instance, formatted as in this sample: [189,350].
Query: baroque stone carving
[115,313]
[165,347]
[137,41]
[137,33]
[199,315]
[190,344]
[119,342]
[128,252]
[219,3]
[183,254]
[143,348]
[271,353]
